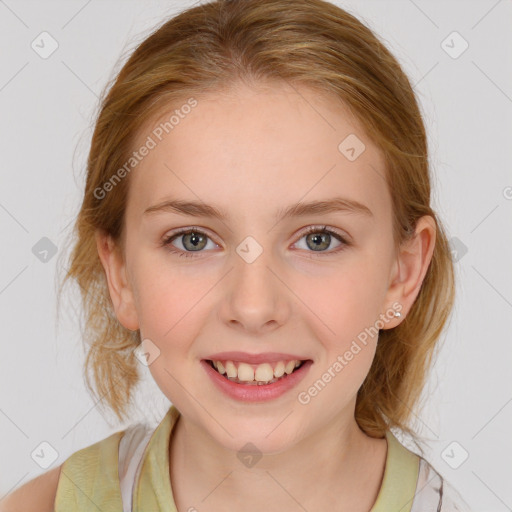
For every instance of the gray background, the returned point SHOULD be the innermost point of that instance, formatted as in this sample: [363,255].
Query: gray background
[47,108]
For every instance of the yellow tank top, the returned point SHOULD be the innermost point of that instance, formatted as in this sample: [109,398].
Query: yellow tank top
[89,479]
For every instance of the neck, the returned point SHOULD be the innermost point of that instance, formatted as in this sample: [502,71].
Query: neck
[207,475]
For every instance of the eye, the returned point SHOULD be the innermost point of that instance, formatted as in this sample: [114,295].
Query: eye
[191,240]
[319,238]
[195,240]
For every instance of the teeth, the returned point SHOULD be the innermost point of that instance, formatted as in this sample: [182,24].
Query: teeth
[279,369]
[231,370]
[289,367]
[262,373]
[245,372]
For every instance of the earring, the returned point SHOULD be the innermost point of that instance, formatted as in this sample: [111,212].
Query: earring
[398,314]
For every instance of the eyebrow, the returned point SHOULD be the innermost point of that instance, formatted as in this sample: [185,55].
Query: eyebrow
[199,209]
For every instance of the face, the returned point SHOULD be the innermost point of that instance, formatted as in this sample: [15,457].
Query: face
[255,281]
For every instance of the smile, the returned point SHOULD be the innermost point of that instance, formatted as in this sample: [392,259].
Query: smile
[250,374]
[258,382]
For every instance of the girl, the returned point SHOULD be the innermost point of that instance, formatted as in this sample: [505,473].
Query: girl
[256,230]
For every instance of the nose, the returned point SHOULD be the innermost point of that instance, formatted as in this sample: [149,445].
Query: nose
[255,298]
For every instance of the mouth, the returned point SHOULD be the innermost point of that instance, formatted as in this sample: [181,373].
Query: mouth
[263,374]
[264,379]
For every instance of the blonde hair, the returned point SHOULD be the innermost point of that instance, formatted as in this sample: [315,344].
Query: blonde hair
[206,49]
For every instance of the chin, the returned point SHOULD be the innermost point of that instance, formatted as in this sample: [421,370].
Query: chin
[271,436]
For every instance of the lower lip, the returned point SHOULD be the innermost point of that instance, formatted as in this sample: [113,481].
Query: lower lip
[256,393]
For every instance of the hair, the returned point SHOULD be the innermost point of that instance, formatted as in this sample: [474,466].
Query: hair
[208,49]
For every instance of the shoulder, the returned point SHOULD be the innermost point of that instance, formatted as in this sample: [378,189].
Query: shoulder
[37,495]
[430,491]
[90,474]
[80,470]
[434,492]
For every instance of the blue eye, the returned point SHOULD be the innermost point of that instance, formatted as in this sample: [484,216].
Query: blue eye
[322,237]
[194,240]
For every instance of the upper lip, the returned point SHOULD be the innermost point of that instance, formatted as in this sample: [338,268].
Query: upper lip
[266,357]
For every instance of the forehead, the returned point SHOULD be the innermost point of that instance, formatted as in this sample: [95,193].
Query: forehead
[257,150]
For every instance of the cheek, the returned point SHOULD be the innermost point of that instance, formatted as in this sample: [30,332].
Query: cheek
[344,307]
[344,310]
[171,314]
[347,300]
[168,302]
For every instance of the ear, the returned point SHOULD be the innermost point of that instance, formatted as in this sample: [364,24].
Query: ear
[412,264]
[118,285]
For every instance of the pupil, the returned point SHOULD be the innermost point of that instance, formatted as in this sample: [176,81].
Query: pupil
[319,240]
[194,240]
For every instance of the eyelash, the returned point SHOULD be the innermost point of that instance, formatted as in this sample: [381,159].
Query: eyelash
[166,242]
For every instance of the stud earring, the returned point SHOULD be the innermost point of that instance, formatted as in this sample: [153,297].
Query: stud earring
[398,314]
